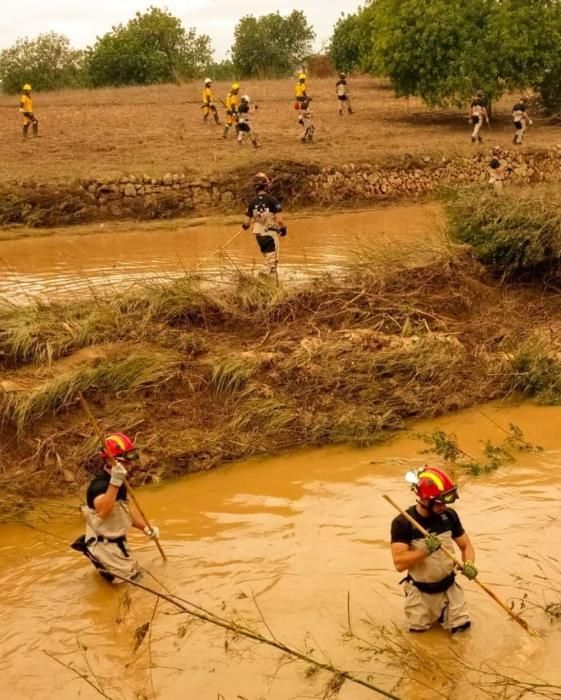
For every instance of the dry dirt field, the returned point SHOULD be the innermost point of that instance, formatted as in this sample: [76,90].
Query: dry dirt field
[154,130]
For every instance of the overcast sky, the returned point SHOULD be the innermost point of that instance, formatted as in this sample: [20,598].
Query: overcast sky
[81,22]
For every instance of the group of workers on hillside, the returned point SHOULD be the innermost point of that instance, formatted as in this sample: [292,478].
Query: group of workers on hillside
[432,593]
[238,108]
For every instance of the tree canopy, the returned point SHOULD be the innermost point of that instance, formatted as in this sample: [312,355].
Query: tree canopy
[271,45]
[47,62]
[153,47]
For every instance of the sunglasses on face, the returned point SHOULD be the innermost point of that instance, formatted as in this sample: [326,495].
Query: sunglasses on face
[447,497]
[129,455]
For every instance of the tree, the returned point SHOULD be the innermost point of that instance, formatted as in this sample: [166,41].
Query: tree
[351,45]
[153,47]
[271,45]
[443,50]
[47,62]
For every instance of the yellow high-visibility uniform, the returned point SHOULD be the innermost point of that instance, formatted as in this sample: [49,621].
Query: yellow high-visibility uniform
[232,103]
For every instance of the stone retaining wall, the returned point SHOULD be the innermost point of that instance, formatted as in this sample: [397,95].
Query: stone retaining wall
[175,194]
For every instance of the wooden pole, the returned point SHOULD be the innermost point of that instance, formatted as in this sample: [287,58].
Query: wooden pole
[218,250]
[130,492]
[459,564]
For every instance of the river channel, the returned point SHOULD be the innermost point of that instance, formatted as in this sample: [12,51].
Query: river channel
[104,256]
[296,546]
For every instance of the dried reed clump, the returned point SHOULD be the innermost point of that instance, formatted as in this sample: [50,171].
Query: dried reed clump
[518,235]
[536,372]
[24,408]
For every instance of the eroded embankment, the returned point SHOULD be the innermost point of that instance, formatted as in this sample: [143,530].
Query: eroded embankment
[201,377]
[141,196]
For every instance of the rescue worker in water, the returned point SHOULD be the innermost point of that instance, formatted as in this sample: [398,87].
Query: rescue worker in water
[432,593]
[109,515]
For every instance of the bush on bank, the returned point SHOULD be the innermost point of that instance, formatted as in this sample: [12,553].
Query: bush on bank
[517,234]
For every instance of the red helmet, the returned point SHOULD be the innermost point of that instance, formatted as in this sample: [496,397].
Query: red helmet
[433,484]
[119,446]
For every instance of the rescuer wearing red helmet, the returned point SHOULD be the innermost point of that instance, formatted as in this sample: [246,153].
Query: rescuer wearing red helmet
[108,514]
[263,216]
[432,593]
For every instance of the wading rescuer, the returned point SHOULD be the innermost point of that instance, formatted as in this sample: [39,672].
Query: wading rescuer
[432,594]
[342,92]
[477,114]
[231,104]
[109,515]
[264,216]
[26,109]
[208,105]
[521,121]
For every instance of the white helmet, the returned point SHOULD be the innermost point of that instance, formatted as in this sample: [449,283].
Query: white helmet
[208,81]
[245,98]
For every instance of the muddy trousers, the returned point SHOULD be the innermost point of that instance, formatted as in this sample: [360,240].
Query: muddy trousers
[476,133]
[269,246]
[423,610]
[342,102]
[519,133]
[208,109]
[108,555]
[29,118]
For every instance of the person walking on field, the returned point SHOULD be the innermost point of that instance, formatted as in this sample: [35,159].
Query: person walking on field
[26,109]
[305,119]
[264,217]
[342,92]
[109,515]
[208,105]
[478,113]
[521,121]
[231,104]
[300,91]
[432,593]
[244,127]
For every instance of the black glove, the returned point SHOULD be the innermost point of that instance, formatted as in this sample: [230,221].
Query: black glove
[245,226]
[282,231]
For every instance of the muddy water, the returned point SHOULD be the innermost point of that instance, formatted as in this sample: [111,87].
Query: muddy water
[296,535]
[64,264]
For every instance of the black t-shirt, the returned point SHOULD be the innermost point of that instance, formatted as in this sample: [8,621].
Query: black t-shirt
[448,520]
[99,485]
[263,204]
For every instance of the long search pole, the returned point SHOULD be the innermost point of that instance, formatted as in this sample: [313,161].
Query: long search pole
[97,429]
[218,250]
[459,564]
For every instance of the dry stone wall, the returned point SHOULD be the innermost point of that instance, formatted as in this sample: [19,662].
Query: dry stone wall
[175,194]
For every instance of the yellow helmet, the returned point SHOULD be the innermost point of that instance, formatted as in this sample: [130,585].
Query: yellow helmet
[26,87]
[235,86]
[301,76]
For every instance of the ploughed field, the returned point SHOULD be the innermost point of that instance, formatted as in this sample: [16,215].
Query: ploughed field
[154,130]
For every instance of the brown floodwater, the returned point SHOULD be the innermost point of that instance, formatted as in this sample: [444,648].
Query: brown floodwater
[61,265]
[291,540]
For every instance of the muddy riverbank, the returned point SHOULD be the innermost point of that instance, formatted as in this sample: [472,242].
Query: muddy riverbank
[249,368]
[298,536]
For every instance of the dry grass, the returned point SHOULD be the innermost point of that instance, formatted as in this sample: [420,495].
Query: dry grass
[154,130]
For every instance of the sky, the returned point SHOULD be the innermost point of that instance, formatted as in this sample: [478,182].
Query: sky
[81,22]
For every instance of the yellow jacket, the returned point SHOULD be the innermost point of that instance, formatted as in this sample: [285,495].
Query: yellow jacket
[207,96]
[232,101]
[26,104]
[300,90]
